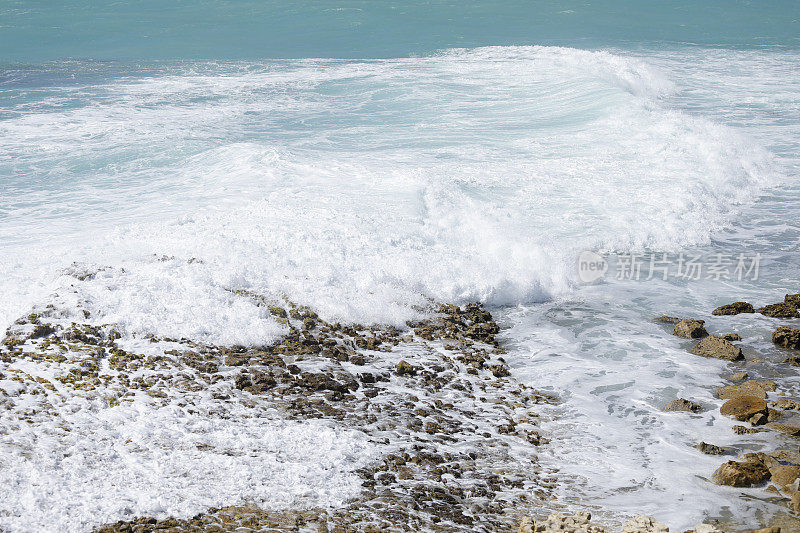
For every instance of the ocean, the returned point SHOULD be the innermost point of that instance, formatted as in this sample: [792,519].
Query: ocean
[367,158]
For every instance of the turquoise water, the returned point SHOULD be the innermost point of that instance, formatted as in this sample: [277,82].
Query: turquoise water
[152,29]
[365,157]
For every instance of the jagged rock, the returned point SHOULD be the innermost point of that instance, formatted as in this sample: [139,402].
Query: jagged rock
[563,523]
[738,376]
[733,309]
[741,474]
[644,524]
[784,476]
[786,404]
[706,528]
[788,429]
[744,430]
[405,368]
[787,337]
[732,337]
[780,310]
[794,504]
[792,360]
[690,329]
[744,408]
[682,404]
[710,449]
[793,299]
[748,388]
[718,348]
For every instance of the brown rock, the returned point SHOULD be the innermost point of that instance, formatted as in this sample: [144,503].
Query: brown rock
[787,337]
[744,407]
[784,476]
[744,430]
[794,505]
[710,449]
[789,429]
[793,299]
[748,388]
[733,309]
[787,404]
[682,404]
[718,348]
[741,474]
[690,329]
[738,376]
[780,310]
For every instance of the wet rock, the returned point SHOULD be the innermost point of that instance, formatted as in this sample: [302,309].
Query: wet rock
[748,388]
[741,474]
[793,360]
[734,308]
[785,476]
[787,337]
[706,528]
[786,404]
[405,368]
[718,348]
[710,449]
[682,404]
[42,330]
[792,299]
[744,430]
[738,376]
[745,408]
[789,429]
[644,524]
[780,310]
[499,371]
[690,329]
[668,319]
[732,337]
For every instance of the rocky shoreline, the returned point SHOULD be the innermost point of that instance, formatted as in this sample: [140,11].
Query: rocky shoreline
[459,433]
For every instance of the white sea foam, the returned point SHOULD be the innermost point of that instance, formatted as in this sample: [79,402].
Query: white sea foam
[362,187]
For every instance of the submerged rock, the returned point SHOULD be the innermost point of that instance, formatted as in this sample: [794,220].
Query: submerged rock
[780,310]
[741,474]
[787,337]
[732,337]
[682,404]
[718,348]
[733,309]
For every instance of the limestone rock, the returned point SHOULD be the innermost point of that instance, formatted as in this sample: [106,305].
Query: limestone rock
[718,348]
[787,337]
[780,310]
[789,429]
[784,476]
[787,404]
[733,309]
[744,407]
[741,474]
[710,449]
[644,524]
[690,329]
[748,388]
[682,404]
[738,376]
